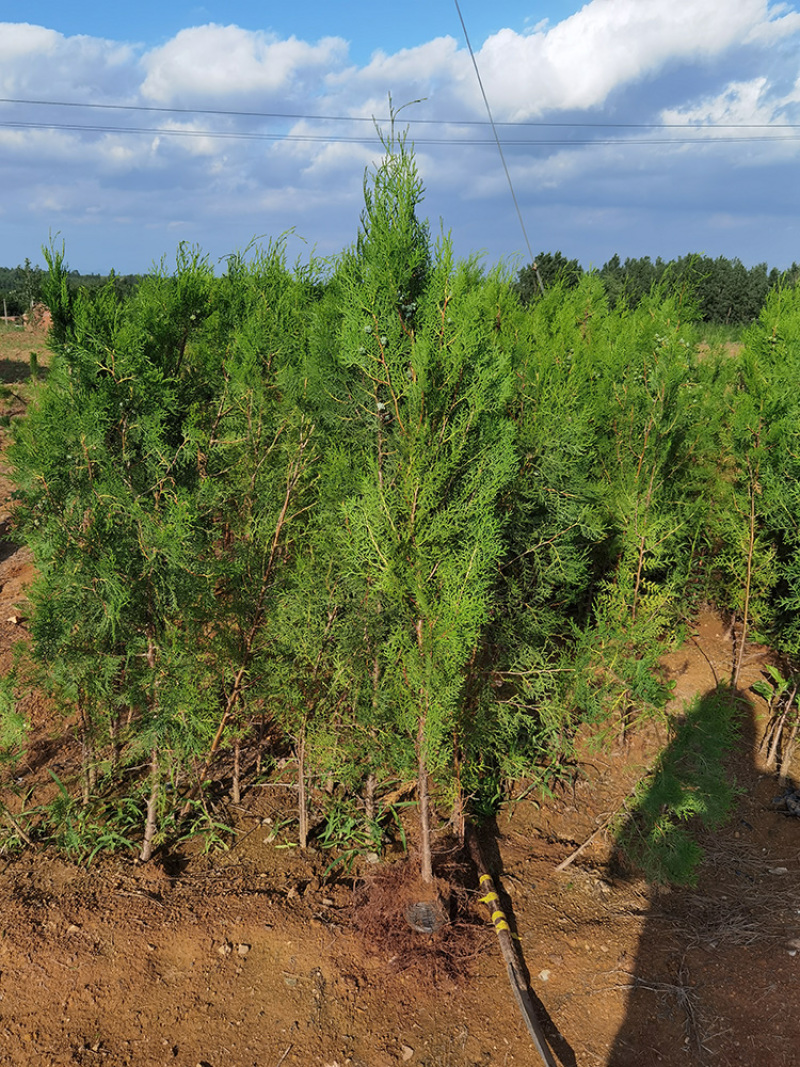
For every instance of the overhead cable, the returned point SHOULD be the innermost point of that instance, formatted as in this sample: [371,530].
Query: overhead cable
[301,116]
[367,139]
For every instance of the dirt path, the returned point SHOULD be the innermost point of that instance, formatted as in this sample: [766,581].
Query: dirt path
[249,959]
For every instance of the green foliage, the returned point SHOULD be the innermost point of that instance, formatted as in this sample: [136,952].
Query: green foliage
[83,831]
[393,512]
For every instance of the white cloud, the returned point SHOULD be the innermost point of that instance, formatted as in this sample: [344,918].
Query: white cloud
[609,43]
[219,62]
[739,103]
[33,57]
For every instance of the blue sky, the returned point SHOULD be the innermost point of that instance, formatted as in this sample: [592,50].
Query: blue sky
[365,24]
[637,127]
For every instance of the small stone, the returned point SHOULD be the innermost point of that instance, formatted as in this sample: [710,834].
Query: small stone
[242,950]
[778,870]
[406,1052]
[544,975]
[224,949]
[372,857]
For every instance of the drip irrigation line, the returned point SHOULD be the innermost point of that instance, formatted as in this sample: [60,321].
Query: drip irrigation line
[516,977]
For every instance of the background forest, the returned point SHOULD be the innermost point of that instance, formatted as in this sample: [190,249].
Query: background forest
[724,291]
[392,518]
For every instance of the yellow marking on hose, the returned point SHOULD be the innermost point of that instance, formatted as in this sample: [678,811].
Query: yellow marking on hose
[498,915]
[488,898]
[485,878]
[502,926]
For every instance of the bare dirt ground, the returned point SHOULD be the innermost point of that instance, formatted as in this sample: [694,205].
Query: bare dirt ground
[250,958]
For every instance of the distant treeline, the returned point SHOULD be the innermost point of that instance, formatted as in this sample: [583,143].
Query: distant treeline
[21,286]
[724,291]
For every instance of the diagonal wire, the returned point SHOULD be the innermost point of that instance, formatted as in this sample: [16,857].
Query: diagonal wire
[499,147]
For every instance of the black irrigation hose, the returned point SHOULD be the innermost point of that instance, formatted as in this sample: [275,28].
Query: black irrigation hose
[515,975]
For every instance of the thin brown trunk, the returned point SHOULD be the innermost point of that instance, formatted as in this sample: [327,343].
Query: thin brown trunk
[15,824]
[423,799]
[259,744]
[777,738]
[748,582]
[88,760]
[370,808]
[236,795]
[458,816]
[152,803]
[777,733]
[302,800]
[372,782]
[423,803]
[788,752]
[152,809]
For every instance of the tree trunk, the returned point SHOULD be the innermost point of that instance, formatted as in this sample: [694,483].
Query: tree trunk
[236,794]
[369,798]
[424,808]
[302,801]
[748,582]
[152,808]
[155,782]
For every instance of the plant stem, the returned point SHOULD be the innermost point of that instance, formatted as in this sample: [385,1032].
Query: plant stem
[152,808]
[302,801]
[424,807]
[748,580]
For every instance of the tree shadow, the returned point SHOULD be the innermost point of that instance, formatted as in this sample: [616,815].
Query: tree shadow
[675,820]
[17,371]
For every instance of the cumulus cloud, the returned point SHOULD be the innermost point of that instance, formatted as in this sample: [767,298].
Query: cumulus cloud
[740,103]
[609,43]
[220,62]
[32,57]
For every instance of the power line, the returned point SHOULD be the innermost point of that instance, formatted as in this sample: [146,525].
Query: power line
[367,139]
[301,116]
[534,264]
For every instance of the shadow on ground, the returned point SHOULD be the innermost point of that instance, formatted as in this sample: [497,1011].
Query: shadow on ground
[710,956]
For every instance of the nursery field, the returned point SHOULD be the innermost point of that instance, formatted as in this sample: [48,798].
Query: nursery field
[252,957]
[328,592]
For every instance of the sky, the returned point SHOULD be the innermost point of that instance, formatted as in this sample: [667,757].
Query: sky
[629,127]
